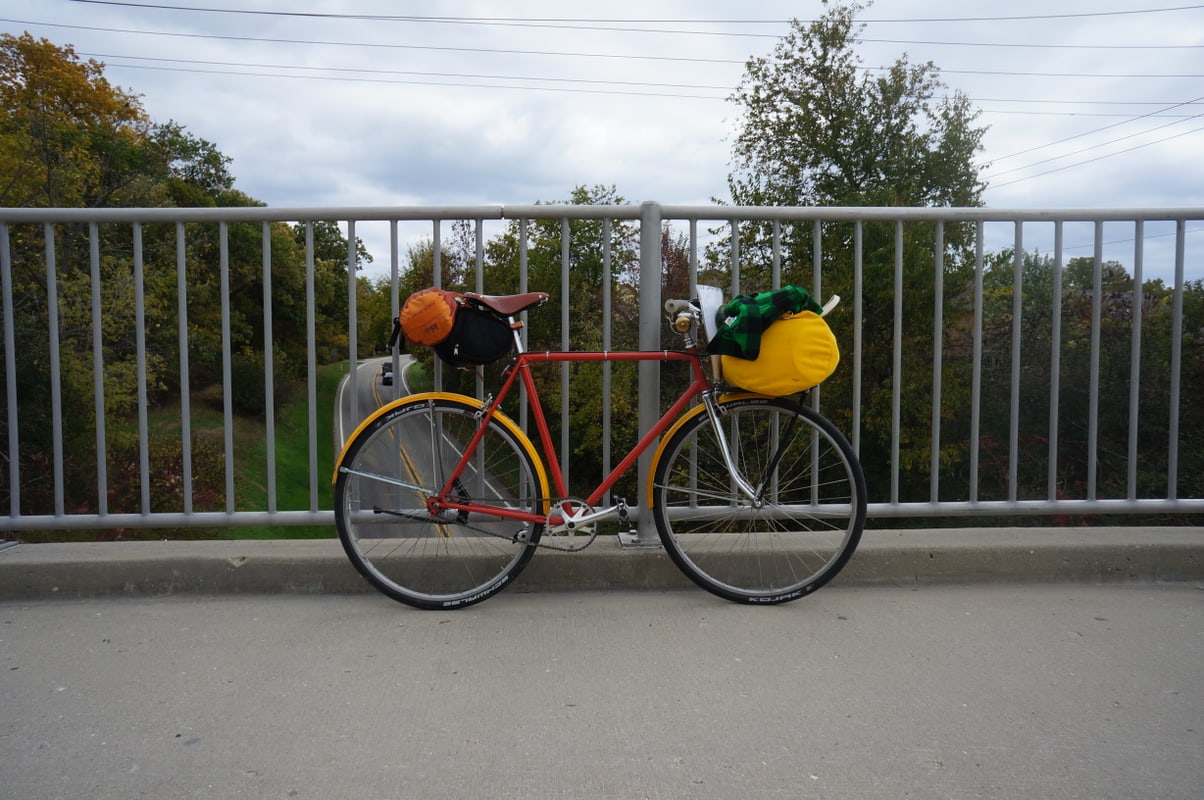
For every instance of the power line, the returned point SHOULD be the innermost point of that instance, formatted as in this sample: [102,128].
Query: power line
[1034,17]
[1013,74]
[244,66]
[1023,112]
[388,45]
[631,88]
[1097,130]
[1033,45]
[414,73]
[1088,102]
[561,22]
[1094,147]
[620,56]
[418,82]
[596,55]
[1133,240]
[1099,158]
[501,51]
[682,59]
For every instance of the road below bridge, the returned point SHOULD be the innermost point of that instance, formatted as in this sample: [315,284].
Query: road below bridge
[370,392]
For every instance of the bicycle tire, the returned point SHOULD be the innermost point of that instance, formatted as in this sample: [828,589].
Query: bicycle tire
[797,539]
[452,560]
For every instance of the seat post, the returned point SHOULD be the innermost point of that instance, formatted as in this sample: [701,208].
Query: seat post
[516,327]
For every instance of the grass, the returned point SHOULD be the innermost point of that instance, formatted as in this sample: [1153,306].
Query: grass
[292,464]
[418,378]
[249,436]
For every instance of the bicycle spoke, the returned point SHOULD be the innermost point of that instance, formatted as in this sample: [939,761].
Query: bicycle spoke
[436,559]
[800,531]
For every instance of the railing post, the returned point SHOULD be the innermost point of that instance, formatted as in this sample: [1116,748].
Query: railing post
[650,339]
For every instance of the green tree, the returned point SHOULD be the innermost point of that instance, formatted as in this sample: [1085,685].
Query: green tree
[69,138]
[816,129]
[1116,329]
[330,284]
[197,171]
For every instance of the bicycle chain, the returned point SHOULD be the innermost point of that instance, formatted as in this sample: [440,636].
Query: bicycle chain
[520,537]
[461,520]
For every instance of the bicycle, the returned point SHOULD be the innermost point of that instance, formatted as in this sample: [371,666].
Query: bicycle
[442,499]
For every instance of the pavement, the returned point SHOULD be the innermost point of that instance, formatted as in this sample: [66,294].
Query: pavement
[1092,555]
[1062,664]
[1057,691]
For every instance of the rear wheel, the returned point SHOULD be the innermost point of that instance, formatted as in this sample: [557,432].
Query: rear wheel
[799,532]
[400,460]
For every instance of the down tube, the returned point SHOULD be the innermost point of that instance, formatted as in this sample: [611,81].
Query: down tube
[669,417]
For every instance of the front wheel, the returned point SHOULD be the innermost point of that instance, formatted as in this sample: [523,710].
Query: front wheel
[801,528]
[401,459]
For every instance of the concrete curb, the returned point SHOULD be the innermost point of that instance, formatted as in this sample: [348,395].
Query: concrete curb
[1020,555]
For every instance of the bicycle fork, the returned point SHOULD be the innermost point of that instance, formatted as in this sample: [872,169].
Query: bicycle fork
[755,494]
[712,411]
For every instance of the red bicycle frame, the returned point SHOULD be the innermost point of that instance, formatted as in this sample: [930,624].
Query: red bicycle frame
[521,369]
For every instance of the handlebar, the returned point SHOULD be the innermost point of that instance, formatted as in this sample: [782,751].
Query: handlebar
[682,314]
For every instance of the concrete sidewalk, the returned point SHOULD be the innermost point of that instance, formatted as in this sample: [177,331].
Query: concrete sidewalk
[956,556]
[1036,692]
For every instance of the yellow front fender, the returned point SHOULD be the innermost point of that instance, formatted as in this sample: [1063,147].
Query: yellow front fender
[692,412]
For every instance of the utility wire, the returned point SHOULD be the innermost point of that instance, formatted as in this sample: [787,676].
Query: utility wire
[598,23]
[568,54]
[417,82]
[389,45]
[244,70]
[1013,74]
[630,56]
[1098,158]
[1097,130]
[606,24]
[1093,147]
[414,73]
[1034,45]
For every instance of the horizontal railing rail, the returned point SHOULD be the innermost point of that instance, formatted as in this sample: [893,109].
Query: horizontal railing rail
[996,362]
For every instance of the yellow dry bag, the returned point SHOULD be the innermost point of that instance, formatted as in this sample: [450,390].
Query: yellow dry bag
[797,352]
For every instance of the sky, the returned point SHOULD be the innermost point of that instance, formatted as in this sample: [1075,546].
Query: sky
[1088,103]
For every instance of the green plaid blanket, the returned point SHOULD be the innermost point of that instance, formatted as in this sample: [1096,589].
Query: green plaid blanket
[744,319]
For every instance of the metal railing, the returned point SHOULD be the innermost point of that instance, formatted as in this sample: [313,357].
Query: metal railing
[737,242]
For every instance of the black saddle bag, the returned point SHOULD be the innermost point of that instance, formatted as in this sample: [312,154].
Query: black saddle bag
[477,337]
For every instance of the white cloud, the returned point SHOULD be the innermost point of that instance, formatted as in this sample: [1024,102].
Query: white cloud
[612,103]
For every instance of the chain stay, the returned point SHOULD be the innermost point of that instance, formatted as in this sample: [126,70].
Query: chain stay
[582,524]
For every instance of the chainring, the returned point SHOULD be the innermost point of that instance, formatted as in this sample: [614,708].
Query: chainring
[566,534]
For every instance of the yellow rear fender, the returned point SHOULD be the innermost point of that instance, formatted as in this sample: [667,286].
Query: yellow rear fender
[425,397]
[385,409]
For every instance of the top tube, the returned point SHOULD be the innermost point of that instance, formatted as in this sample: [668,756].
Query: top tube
[685,318]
